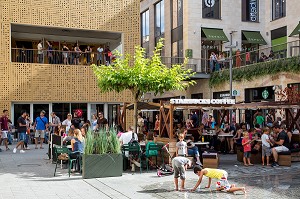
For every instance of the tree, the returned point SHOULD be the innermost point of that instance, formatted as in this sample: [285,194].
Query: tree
[140,75]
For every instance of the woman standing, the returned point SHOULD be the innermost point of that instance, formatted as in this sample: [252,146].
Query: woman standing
[65,50]
[77,54]
[212,61]
[28,123]
[94,122]
[157,122]
[238,59]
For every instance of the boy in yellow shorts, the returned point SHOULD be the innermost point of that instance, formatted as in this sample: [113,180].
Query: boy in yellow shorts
[221,175]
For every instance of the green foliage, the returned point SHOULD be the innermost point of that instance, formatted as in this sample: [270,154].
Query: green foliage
[140,74]
[256,70]
[102,142]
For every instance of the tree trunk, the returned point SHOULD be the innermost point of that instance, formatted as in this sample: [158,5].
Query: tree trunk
[135,114]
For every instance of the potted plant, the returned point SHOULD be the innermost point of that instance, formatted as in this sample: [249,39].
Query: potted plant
[102,155]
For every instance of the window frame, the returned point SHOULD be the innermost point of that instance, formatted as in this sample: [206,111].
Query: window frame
[220,11]
[282,11]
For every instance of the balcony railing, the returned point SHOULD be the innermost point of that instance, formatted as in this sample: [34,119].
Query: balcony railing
[58,57]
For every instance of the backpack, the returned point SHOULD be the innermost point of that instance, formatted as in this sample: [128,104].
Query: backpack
[133,142]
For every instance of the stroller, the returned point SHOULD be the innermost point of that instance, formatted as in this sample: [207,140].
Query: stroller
[165,169]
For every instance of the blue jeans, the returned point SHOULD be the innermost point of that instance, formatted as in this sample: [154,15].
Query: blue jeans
[193,151]
[22,136]
[9,138]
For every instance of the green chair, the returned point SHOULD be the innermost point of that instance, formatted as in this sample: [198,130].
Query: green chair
[61,150]
[132,149]
[152,150]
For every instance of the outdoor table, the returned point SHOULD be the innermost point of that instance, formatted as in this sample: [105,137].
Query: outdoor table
[201,143]
[209,134]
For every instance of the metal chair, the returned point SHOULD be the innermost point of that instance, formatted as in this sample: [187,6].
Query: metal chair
[132,149]
[62,150]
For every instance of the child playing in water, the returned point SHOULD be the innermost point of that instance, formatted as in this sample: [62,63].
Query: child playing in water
[221,175]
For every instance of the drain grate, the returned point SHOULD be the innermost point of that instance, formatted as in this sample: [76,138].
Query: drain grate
[29,165]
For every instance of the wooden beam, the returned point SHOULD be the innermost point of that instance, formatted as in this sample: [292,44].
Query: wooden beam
[171,113]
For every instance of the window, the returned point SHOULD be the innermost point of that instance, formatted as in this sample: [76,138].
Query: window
[177,29]
[159,19]
[211,9]
[145,30]
[278,9]
[177,16]
[250,10]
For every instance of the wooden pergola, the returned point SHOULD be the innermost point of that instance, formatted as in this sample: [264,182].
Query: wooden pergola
[167,111]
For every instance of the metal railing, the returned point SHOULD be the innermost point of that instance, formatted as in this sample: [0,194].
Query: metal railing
[285,50]
[58,57]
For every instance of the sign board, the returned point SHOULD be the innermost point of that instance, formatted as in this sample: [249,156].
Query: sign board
[265,94]
[202,101]
[253,10]
[236,93]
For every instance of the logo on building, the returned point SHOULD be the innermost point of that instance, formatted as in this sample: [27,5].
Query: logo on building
[253,10]
[265,94]
[209,3]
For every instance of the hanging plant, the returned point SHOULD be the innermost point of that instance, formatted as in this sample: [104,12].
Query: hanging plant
[252,71]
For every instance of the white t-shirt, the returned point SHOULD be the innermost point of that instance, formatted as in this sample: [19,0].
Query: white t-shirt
[264,139]
[68,124]
[100,50]
[126,137]
[182,146]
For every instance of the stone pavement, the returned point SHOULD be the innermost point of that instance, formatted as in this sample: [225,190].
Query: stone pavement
[30,175]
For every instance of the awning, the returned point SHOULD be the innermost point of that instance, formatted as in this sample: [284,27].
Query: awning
[296,31]
[215,34]
[254,37]
[145,106]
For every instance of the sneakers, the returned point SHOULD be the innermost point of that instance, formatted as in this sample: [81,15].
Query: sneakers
[22,151]
[275,164]
[199,163]
[15,150]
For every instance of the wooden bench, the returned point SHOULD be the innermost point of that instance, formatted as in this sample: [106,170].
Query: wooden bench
[295,155]
[285,158]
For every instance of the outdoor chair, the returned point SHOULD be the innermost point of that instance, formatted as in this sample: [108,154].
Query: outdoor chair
[152,151]
[133,150]
[63,150]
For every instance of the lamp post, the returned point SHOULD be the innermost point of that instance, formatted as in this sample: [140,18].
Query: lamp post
[230,70]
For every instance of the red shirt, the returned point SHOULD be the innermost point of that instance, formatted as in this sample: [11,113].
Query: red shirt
[4,123]
[247,147]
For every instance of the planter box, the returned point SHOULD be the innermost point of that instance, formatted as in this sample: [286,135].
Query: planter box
[101,166]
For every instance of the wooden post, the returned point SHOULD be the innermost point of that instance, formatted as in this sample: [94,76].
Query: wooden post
[171,112]
[160,118]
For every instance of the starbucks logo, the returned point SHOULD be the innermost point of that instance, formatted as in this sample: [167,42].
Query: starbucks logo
[209,3]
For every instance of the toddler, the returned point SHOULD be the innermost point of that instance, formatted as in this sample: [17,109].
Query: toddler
[266,146]
[181,146]
[246,142]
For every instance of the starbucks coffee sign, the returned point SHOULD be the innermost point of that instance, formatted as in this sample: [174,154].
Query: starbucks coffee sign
[253,10]
[202,101]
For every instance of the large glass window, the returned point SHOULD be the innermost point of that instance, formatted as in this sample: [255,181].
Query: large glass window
[250,10]
[145,30]
[278,9]
[177,15]
[211,9]
[159,19]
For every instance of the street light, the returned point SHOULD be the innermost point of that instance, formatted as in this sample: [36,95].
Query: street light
[230,70]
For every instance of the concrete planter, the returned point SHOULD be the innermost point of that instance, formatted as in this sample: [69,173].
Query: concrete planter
[101,166]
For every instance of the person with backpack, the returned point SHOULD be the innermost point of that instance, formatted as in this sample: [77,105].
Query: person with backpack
[40,125]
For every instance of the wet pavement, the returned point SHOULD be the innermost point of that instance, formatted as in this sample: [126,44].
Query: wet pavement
[30,175]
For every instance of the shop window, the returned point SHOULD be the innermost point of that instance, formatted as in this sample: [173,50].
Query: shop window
[145,30]
[250,10]
[259,94]
[278,9]
[211,9]
[197,96]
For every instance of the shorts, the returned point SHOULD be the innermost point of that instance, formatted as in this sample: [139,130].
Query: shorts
[65,55]
[223,182]
[281,149]
[266,151]
[247,154]
[179,171]
[4,134]
[22,136]
[39,133]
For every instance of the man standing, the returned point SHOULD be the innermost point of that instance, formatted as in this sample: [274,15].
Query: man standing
[55,122]
[102,122]
[99,55]
[40,126]
[283,143]
[4,128]
[22,127]
[195,119]
[40,52]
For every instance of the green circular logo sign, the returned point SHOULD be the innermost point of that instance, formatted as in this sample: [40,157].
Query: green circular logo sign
[265,94]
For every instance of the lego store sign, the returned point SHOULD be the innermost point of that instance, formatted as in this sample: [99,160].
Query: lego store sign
[253,10]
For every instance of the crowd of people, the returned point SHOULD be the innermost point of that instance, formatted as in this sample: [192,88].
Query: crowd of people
[68,54]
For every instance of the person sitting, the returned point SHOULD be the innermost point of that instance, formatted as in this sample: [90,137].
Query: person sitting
[77,144]
[282,143]
[69,137]
[149,142]
[193,150]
